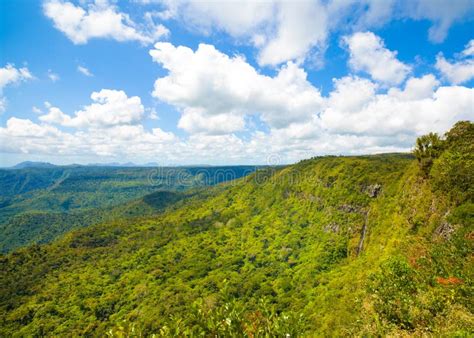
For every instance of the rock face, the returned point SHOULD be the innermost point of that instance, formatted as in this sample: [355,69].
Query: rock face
[373,190]
[445,230]
[331,227]
[348,208]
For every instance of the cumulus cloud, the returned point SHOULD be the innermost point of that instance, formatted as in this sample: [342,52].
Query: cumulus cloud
[282,30]
[295,30]
[10,75]
[99,20]
[25,127]
[106,128]
[462,69]
[25,136]
[207,84]
[416,88]
[368,54]
[348,122]
[109,108]
[197,121]
[217,95]
[301,25]
[419,108]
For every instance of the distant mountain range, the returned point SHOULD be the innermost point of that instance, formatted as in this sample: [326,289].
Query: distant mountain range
[33,164]
[30,164]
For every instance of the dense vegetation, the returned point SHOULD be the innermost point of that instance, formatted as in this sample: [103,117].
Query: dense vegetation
[37,204]
[332,246]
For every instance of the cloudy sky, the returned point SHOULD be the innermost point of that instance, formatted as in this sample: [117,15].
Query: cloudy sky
[229,82]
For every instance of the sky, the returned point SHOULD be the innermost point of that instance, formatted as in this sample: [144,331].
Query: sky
[229,82]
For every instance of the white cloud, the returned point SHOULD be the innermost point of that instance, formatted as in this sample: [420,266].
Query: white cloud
[456,72]
[221,15]
[108,127]
[461,70]
[36,110]
[440,12]
[218,94]
[416,88]
[197,121]
[24,136]
[152,114]
[469,50]
[367,14]
[368,54]
[349,121]
[99,20]
[24,127]
[11,75]
[109,108]
[295,30]
[358,120]
[27,137]
[155,31]
[301,25]
[420,108]
[85,71]
[208,83]
[215,92]
[282,30]
[377,13]
[53,76]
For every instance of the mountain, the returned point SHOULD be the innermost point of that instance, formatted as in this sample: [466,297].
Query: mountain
[332,246]
[30,164]
[113,164]
[39,204]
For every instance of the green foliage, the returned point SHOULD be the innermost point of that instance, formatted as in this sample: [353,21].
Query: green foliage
[226,316]
[271,254]
[427,148]
[39,204]
[453,172]
[394,287]
[449,161]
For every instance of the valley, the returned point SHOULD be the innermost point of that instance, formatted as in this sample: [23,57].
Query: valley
[362,245]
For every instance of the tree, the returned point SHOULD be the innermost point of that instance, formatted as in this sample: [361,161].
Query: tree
[453,171]
[428,147]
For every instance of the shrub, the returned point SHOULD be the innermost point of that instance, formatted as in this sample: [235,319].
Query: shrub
[394,289]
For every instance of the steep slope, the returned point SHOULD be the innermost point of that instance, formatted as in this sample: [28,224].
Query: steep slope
[330,246]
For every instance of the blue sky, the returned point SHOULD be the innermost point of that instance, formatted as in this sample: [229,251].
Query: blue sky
[187,82]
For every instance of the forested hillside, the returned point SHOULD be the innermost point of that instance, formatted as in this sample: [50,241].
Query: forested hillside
[331,246]
[37,204]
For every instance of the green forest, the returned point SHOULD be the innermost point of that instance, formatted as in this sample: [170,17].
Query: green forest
[331,246]
[39,203]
